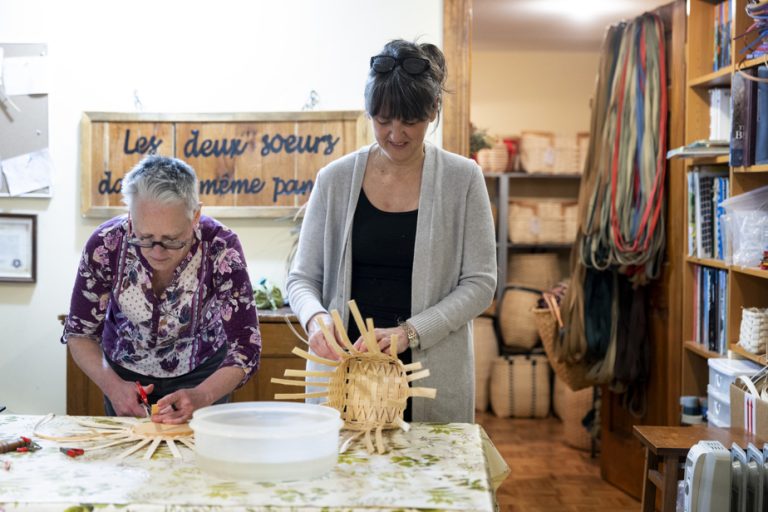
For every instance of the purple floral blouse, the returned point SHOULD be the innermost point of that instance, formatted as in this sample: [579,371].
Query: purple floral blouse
[208,304]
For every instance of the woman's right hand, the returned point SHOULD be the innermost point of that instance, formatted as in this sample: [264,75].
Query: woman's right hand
[317,342]
[126,400]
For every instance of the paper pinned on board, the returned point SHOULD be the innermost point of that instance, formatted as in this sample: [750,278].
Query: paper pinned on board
[25,75]
[28,173]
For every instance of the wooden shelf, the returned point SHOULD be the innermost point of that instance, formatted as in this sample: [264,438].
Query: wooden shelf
[759,359]
[704,160]
[751,169]
[752,63]
[715,79]
[707,262]
[696,348]
[756,272]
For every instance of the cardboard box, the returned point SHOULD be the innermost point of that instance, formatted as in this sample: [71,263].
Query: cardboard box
[748,412]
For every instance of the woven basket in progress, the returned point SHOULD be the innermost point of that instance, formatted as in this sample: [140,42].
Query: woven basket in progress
[369,388]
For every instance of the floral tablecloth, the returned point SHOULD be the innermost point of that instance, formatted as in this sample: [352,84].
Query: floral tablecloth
[433,466]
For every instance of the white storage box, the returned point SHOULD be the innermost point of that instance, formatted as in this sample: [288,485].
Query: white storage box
[723,371]
[719,408]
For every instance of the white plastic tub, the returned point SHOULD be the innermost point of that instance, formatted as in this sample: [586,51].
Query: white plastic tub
[266,441]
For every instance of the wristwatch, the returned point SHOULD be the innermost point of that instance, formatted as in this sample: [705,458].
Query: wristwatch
[413,336]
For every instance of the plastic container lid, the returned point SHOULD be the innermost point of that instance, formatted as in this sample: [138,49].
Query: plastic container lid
[734,367]
[253,420]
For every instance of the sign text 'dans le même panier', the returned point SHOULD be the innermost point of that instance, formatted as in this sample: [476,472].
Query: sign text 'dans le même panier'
[249,165]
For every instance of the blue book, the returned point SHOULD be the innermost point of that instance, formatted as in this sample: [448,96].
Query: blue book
[761,123]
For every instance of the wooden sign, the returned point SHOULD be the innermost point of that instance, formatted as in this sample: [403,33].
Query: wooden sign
[249,165]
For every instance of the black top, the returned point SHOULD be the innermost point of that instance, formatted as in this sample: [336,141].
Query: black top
[382,265]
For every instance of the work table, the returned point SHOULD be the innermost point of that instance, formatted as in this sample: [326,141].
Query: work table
[433,466]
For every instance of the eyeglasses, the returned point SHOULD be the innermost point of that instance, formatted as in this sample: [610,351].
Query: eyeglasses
[411,65]
[169,245]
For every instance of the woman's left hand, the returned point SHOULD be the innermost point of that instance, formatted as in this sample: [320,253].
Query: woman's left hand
[177,407]
[384,340]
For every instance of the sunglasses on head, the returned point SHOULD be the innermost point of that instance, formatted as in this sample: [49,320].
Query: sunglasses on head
[411,65]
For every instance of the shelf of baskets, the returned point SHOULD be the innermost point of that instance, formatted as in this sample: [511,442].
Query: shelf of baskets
[534,213]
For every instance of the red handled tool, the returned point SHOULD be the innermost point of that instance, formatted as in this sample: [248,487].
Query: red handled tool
[24,444]
[72,452]
[144,399]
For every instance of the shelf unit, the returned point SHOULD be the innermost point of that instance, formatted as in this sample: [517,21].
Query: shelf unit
[527,185]
[746,287]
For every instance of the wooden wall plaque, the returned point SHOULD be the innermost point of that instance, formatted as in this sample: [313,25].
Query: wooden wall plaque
[248,164]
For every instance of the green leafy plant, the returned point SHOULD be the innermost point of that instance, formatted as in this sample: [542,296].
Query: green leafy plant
[478,139]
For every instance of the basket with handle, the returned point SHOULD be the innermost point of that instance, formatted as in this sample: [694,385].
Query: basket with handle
[549,323]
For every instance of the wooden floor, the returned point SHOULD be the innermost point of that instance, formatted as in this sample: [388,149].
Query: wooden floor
[547,475]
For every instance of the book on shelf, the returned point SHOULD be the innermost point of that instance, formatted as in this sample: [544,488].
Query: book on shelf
[719,114]
[723,16]
[761,121]
[750,91]
[707,188]
[737,107]
[709,306]
[700,148]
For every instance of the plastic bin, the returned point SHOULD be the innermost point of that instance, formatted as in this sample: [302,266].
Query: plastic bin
[719,408]
[723,371]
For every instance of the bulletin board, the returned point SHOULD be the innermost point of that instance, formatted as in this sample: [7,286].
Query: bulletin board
[26,130]
[248,164]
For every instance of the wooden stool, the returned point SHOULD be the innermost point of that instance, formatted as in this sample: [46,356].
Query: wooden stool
[670,444]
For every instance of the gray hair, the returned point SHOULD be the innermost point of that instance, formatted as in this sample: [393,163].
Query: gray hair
[399,95]
[162,179]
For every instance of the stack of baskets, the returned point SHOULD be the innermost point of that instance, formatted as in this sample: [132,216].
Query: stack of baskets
[542,221]
[520,385]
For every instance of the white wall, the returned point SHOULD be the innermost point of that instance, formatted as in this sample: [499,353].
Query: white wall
[522,90]
[179,56]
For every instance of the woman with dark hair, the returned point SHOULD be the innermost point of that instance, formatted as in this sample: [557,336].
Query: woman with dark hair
[405,229]
[162,303]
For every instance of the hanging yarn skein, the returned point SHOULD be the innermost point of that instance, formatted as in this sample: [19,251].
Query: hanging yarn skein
[623,223]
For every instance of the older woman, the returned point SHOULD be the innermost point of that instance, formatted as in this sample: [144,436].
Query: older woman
[405,229]
[162,298]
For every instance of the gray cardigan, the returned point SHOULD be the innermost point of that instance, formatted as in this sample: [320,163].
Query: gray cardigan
[454,268]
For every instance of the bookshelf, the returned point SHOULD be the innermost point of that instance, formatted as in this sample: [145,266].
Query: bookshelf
[745,287]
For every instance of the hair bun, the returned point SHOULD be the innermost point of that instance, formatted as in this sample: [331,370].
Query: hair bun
[435,55]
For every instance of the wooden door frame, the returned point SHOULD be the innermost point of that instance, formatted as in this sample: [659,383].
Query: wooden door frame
[457,40]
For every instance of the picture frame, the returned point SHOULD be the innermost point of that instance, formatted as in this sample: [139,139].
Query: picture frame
[18,248]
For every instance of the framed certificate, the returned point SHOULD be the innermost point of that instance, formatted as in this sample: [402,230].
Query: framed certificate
[18,247]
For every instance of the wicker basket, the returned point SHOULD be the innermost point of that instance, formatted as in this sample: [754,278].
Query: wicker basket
[537,152]
[494,159]
[369,388]
[520,387]
[573,375]
[542,220]
[486,349]
[571,407]
[516,323]
[547,153]
[534,270]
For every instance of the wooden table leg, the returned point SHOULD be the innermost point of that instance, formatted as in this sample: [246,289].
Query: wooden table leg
[670,483]
[649,488]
